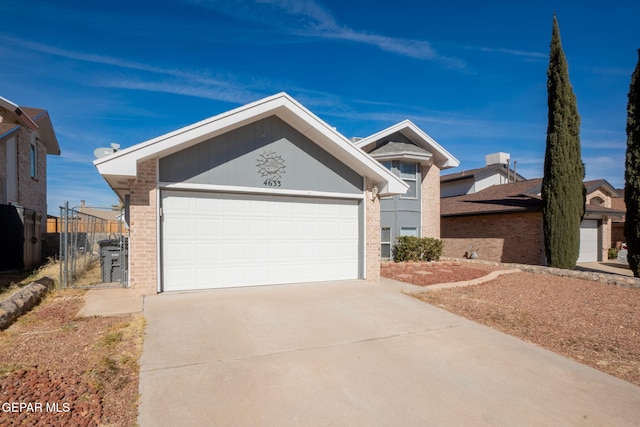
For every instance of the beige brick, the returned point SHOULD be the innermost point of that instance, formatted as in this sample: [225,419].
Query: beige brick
[143,253]
[372,227]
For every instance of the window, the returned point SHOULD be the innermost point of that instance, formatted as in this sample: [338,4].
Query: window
[33,159]
[409,175]
[385,240]
[409,231]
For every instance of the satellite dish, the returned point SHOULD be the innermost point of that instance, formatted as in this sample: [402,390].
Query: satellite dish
[103,151]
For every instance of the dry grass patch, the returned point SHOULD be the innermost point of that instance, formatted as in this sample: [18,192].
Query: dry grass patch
[90,364]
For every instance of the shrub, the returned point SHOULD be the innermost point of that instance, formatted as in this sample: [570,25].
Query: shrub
[613,253]
[411,248]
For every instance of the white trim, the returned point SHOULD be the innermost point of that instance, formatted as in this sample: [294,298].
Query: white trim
[423,159]
[256,190]
[441,157]
[158,230]
[123,163]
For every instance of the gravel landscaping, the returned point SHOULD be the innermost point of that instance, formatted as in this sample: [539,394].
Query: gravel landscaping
[591,322]
[60,370]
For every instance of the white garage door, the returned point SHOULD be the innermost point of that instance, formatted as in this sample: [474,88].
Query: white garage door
[215,240]
[588,241]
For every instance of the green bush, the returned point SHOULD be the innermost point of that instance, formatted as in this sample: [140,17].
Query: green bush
[411,248]
[613,253]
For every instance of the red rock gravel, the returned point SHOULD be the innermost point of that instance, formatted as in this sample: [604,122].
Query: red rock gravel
[85,369]
[432,273]
[591,322]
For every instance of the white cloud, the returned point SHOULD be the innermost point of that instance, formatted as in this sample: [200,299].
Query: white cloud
[311,19]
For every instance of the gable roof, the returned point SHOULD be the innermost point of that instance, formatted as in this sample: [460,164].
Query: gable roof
[122,165]
[522,196]
[441,157]
[35,119]
[475,173]
[601,184]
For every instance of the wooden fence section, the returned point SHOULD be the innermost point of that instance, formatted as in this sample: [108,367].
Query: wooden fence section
[84,224]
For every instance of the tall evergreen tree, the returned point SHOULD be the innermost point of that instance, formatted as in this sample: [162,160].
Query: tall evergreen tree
[563,192]
[632,173]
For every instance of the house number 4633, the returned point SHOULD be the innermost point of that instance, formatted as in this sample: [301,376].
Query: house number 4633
[272,183]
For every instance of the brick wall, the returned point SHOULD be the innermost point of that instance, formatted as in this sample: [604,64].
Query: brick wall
[516,238]
[430,201]
[32,192]
[372,227]
[143,248]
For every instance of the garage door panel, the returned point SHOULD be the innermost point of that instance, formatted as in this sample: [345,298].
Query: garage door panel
[588,241]
[223,240]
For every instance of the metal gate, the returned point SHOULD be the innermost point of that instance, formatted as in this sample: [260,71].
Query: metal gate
[83,233]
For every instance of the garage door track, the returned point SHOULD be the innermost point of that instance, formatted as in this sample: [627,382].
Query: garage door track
[354,353]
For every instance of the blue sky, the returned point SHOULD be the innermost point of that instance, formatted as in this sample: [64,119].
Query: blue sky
[471,74]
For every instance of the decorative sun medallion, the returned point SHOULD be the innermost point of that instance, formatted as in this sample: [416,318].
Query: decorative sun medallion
[271,167]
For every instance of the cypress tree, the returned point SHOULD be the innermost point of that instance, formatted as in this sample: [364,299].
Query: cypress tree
[632,173]
[563,192]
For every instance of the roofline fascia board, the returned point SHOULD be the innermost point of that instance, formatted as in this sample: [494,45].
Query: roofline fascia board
[54,147]
[430,144]
[9,132]
[124,162]
[15,109]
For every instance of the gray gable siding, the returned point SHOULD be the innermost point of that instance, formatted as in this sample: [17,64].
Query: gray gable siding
[243,157]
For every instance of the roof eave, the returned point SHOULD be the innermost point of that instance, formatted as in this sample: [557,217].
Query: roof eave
[123,164]
[442,158]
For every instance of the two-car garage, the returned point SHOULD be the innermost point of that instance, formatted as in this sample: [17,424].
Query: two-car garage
[263,194]
[212,240]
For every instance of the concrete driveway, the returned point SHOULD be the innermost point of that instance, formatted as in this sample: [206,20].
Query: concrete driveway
[355,353]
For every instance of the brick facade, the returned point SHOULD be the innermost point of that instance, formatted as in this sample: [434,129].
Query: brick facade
[372,227]
[512,238]
[31,191]
[143,230]
[430,190]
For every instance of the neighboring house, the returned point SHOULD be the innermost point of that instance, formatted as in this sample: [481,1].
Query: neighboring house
[504,222]
[617,224]
[107,220]
[497,171]
[263,194]
[417,159]
[26,138]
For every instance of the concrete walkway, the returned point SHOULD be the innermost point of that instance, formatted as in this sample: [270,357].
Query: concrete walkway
[355,353]
[110,302]
[611,266]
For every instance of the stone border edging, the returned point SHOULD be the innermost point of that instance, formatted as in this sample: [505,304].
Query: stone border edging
[491,276]
[23,300]
[607,278]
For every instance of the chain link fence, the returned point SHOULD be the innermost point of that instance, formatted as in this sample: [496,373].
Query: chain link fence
[89,235]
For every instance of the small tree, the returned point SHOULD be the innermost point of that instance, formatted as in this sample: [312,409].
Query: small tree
[632,173]
[563,192]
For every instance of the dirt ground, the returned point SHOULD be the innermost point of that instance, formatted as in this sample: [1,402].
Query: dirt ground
[593,323]
[69,371]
